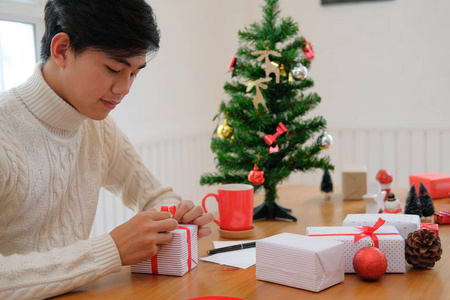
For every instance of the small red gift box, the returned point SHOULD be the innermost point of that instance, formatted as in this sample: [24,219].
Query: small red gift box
[443,217]
[430,226]
[437,184]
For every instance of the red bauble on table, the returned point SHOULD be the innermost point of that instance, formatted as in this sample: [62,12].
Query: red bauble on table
[370,263]
[256,176]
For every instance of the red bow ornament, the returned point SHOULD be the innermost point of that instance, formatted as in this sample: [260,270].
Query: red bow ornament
[172,209]
[271,139]
[308,50]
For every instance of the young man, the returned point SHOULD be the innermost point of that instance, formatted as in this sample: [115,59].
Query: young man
[58,147]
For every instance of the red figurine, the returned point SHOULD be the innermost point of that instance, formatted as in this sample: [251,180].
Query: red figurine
[385,178]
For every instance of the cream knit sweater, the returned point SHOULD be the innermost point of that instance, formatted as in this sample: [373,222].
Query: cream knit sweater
[53,162]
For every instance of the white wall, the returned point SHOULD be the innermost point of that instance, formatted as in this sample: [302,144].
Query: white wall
[180,91]
[378,64]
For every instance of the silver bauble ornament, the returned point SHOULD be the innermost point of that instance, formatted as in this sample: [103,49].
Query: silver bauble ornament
[325,140]
[300,72]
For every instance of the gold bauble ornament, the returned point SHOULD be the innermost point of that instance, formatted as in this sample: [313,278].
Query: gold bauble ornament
[224,130]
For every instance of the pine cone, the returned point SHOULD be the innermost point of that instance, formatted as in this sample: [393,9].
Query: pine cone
[423,248]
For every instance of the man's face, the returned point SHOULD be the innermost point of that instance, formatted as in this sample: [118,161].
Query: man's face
[95,82]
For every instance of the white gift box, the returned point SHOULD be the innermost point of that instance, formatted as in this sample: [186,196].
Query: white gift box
[176,258]
[299,261]
[404,223]
[389,239]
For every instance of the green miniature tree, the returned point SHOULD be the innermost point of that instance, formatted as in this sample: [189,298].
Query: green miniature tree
[426,201]
[412,206]
[264,121]
[326,185]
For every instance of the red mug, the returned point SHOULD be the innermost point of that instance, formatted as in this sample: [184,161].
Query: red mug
[235,203]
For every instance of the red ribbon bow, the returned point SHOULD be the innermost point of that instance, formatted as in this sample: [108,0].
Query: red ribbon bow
[172,209]
[369,231]
[154,258]
[270,139]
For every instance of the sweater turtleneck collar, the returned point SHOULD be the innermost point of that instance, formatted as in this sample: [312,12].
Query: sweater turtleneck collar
[46,105]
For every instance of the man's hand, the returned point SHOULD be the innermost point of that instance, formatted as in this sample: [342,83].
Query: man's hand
[187,213]
[140,238]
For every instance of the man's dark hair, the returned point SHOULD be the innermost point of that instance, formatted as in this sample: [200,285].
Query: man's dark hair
[118,27]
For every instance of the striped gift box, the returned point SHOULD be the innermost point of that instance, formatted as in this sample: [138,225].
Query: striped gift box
[300,261]
[176,258]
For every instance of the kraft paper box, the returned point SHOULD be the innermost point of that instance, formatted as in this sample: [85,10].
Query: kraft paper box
[390,242]
[299,261]
[354,182]
[176,258]
[404,223]
[437,184]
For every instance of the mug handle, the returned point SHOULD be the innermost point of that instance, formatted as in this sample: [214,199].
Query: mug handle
[204,206]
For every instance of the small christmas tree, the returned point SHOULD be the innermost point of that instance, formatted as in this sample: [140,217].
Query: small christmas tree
[412,206]
[266,111]
[326,185]
[425,201]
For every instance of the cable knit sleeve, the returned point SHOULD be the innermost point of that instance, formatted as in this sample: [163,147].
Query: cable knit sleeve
[128,177]
[38,275]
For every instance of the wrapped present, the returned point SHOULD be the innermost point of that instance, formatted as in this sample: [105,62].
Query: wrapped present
[176,258]
[437,184]
[443,217]
[404,223]
[299,261]
[386,238]
[431,227]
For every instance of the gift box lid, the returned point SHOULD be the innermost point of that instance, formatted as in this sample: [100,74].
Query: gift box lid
[403,222]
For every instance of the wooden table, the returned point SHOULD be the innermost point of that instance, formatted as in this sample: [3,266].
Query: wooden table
[311,209]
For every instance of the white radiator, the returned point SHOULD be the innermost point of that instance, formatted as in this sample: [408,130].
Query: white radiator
[180,163]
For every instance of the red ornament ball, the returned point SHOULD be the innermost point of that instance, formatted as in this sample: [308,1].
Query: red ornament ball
[370,263]
[256,176]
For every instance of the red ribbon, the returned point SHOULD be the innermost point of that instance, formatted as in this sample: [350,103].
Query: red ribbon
[154,258]
[366,231]
[270,139]
[369,231]
[188,233]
